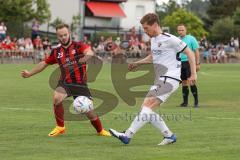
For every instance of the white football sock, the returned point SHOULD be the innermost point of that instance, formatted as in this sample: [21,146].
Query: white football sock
[140,120]
[157,121]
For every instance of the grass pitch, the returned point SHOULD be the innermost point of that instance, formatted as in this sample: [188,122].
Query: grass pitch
[209,132]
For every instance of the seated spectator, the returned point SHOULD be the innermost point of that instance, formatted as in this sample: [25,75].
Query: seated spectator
[222,57]
[117,51]
[37,43]
[46,44]
[118,41]
[214,57]
[206,53]
[99,49]
[134,50]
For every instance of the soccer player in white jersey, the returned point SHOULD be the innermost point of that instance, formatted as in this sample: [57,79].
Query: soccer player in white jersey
[164,53]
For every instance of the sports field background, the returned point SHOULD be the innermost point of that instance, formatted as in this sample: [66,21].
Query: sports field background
[210,132]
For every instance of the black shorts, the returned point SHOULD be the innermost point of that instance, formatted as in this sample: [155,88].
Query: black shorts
[185,71]
[75,90]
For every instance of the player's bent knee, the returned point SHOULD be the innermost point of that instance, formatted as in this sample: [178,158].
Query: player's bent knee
[57,99]
[151,102]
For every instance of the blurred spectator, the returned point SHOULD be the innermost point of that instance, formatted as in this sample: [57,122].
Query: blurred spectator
[99,49]
[203,42]
[133,33]
[21,44]
[85,40]
[102,39]
[221,55]
[7,44]
[3,31]
[214,58]
[37,43]
[28,45]
[46,44]
[108,40]
[231,44]
[35,30]
[40,54]
[117,52]
[236,44]
[118,41]
[134,50]
[206,53]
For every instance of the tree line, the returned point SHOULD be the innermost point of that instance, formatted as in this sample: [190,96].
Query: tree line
[219,20]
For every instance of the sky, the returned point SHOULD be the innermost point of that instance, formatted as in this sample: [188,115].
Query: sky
[161,1]
[166,1]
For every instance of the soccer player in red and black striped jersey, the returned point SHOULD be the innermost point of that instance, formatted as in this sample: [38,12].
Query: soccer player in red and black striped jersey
[71,57]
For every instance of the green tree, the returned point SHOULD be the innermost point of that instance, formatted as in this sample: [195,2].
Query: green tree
[75,22]
[236,19]
[236,16]
[166,8]
[193,23]
[24,10]
[222,8]
[222,30]
[198,7]
[15,13]
[42,12]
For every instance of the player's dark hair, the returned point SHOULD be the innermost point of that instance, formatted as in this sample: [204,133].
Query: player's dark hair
[150,19]
[182,24]
[62,25]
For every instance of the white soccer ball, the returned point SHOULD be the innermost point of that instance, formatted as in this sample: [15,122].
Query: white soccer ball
[82,104]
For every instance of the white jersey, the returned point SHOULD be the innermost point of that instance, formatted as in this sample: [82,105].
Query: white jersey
[165,48]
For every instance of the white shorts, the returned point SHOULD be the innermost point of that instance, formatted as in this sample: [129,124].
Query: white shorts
[163,88]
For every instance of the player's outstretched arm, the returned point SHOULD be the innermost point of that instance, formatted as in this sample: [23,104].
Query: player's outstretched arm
[38,68]
[192,79]
[133,66]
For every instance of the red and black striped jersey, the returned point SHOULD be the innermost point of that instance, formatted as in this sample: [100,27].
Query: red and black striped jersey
[72,71]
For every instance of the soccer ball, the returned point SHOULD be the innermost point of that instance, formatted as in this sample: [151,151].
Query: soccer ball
[82,104]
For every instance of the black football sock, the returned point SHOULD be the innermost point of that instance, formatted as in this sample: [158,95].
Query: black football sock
[185,92]
[194,93]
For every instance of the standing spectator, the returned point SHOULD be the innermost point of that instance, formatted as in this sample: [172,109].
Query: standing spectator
[3,31]
[231,44]
[236,44]
[35,30]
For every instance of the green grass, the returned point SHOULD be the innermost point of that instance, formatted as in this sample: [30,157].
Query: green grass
[212,133]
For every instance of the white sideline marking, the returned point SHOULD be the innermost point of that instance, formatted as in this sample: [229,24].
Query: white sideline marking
[216,75]
[22,109]
[223,118]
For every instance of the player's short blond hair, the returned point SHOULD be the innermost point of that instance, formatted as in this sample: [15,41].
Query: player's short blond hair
[150,19]
[62,25]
